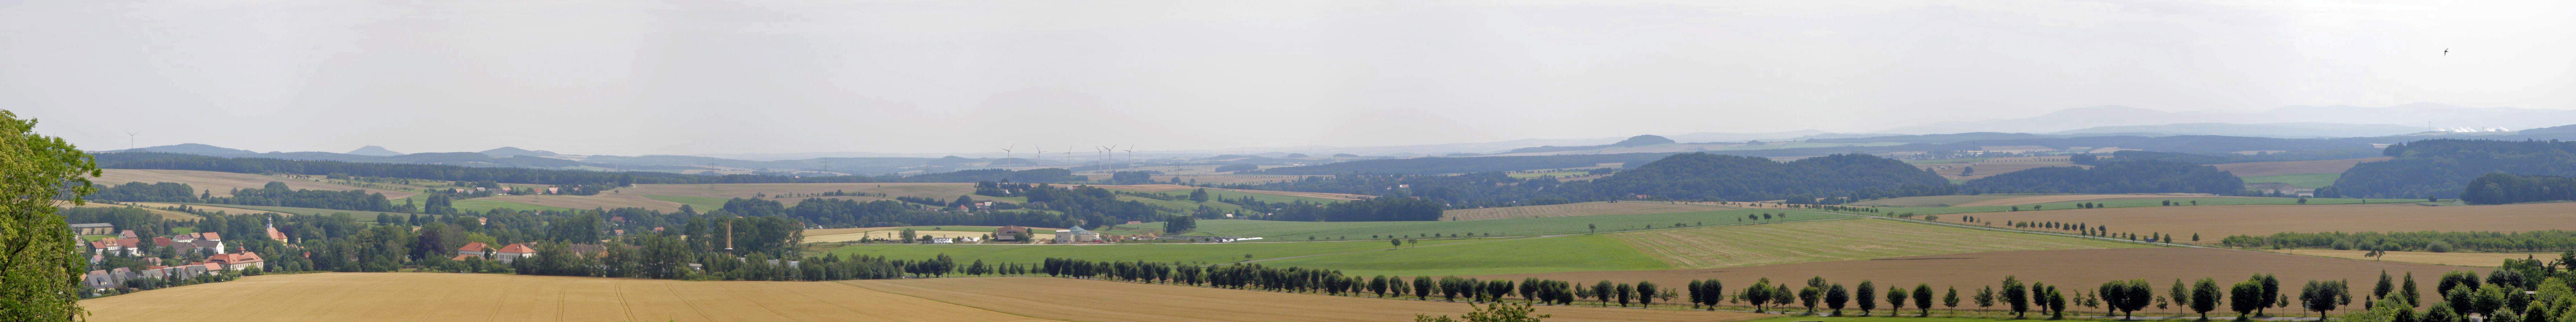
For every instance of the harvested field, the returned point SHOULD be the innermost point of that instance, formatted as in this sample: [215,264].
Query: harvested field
[2215,222]
[943,191]
[599,201]
[2452,259]
[791,202]
[222,181]
[1573,209]
[2070,269]
[204,208]
[165,214]
[2257,169]
[2025,200]
[1831,240]
[497,297]
[1092,300]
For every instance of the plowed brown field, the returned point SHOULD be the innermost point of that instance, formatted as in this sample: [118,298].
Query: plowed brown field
[1090,300]
[2079,269]
[2453,259]
[2215,222]
[2074,198]
[495,297]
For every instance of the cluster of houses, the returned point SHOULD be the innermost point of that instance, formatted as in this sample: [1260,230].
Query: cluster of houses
[125,243]
[505,254]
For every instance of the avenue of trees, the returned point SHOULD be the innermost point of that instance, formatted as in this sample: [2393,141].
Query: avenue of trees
[2422,241]
[2499,296]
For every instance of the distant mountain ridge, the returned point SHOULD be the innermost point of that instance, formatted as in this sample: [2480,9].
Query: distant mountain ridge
[2442,116]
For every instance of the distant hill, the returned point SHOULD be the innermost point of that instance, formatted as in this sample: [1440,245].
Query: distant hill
[1701,176]
[1641,140]
[504,152]
[2442,168]
[2269,130]
[374,151]
[2439,115]
[190,148]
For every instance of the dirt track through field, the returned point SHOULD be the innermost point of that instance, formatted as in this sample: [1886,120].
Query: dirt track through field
[2215,222]
[1574,209]
[1091,300]
[2075,269]
[496,297]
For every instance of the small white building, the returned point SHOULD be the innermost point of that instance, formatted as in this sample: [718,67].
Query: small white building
[1076,235]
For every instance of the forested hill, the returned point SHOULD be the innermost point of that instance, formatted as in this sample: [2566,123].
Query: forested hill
[1702,176]
[2441,168]
[2128,176]
[2499,188]
[1444,165]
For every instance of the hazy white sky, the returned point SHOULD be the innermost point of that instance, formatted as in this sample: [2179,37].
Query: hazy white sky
[637,77]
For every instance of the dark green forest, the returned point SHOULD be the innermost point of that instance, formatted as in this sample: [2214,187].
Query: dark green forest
[2443,168]
[2499,188]
[2124,176]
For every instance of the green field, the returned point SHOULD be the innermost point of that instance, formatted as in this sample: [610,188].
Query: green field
[2204,201]
[2311,180]
[1301,230]
[1183,253]
[1834,240]
[1184,206]
[701,204]
[1574,253]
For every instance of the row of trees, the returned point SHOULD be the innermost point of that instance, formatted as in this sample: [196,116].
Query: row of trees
[2429,241]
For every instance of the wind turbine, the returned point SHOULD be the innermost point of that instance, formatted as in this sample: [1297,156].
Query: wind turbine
[129,140]
[1041,153]
[1006,152]
[1131,152]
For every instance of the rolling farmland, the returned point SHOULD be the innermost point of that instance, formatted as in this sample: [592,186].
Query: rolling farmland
[1091,300]
[497,297]
[599,201]
[1573,209]
[1300,230]
[1183,253]
[223,181]
[2215,222]
[1525,255]
[1831,240]
[2079,269]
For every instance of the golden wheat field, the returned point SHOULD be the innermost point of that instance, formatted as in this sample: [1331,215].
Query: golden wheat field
[496,297]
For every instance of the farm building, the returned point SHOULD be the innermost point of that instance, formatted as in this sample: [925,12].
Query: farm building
[1076,235]
[514,252]
[1009,233]
[93,229]
[475,249]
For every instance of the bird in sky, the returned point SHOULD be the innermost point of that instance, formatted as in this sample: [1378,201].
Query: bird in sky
[2446,51]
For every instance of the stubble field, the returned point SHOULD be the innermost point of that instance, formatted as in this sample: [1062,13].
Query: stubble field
[496,297]
[221,182]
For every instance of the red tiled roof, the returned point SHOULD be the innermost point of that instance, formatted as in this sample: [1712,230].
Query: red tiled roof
[209,235]
[473,247]
[518,249]
[234,258]
[161,241]
[274,234]
[129,242]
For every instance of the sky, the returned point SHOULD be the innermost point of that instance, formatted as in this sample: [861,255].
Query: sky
[701,77]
